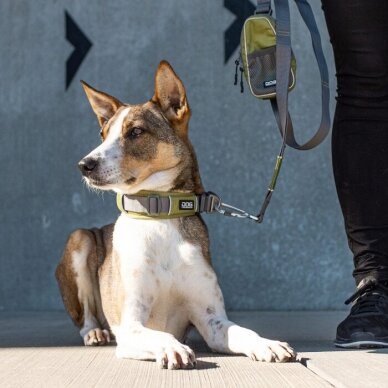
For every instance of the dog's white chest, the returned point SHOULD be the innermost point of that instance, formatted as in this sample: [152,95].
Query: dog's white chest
[155,262]
[137,241]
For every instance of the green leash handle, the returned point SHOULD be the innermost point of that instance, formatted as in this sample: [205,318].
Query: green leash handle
[272,185]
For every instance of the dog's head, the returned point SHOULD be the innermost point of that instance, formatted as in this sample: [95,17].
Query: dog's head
[144,146]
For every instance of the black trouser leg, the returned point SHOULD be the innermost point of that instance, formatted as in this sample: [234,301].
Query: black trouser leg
[358,31]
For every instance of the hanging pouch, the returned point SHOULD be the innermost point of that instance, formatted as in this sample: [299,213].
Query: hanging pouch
[258,55]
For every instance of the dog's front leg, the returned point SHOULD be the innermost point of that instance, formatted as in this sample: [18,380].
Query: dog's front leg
[207,313]
[141,343]
[136,341]
[226,336]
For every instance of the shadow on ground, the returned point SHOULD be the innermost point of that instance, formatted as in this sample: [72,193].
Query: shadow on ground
[58,331]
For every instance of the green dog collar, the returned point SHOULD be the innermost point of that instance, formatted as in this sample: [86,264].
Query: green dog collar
[165,205]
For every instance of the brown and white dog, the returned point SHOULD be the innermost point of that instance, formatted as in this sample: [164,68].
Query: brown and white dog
[147,281]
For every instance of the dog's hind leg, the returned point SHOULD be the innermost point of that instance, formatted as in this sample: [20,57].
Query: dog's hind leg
[77,275]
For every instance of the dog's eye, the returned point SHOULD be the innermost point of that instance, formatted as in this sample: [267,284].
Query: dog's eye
[135,132]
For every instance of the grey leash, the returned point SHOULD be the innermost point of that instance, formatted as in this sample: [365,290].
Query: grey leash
[280,103]
[283,63]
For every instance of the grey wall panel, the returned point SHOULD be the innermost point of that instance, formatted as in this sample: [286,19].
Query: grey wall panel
[297,259]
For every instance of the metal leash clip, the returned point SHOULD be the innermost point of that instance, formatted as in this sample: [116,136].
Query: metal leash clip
[232,211]
[210,202]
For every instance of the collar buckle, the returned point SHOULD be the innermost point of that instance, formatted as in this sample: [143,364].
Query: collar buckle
[153,208]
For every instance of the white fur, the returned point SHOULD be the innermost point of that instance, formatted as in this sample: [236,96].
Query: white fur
[109,147]
[110,154]
[158,181]
[168,284]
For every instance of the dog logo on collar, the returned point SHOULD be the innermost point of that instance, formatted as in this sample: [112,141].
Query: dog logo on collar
[185,204]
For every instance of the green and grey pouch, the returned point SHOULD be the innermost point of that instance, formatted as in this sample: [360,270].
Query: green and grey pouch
[258,56]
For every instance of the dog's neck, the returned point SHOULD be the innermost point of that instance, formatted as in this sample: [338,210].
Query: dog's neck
[183,178]
[188,180]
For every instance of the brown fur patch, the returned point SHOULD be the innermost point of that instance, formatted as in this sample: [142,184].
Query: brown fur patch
[160,158]
[210,310]
[98,245]
[66,276]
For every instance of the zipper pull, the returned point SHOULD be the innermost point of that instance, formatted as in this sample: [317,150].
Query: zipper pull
[241,80]
[236,62]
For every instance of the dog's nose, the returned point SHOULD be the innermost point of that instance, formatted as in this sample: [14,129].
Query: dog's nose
[87,165]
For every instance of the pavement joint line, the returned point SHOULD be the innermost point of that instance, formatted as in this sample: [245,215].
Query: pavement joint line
[305,362]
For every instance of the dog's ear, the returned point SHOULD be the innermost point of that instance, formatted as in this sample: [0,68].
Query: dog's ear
[103,105]
[170,95]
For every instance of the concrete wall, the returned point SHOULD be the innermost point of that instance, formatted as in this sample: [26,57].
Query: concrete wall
[297,259]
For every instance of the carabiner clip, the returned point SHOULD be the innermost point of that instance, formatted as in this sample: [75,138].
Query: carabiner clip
[232,211]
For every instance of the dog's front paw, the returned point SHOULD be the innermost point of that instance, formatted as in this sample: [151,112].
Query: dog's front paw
[176,356]
[97,337]
[271,351]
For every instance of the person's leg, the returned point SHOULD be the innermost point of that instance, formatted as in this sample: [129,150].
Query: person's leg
[359,34]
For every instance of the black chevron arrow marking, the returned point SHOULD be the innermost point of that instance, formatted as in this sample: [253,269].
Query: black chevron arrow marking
[242,9]
[81,44]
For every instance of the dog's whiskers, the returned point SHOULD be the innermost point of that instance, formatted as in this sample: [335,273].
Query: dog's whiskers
[93,188]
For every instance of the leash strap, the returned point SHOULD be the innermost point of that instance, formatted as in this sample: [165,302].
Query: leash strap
[283,64]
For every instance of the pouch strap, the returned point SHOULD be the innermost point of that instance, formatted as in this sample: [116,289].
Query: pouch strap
[263,6]
[283,63]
